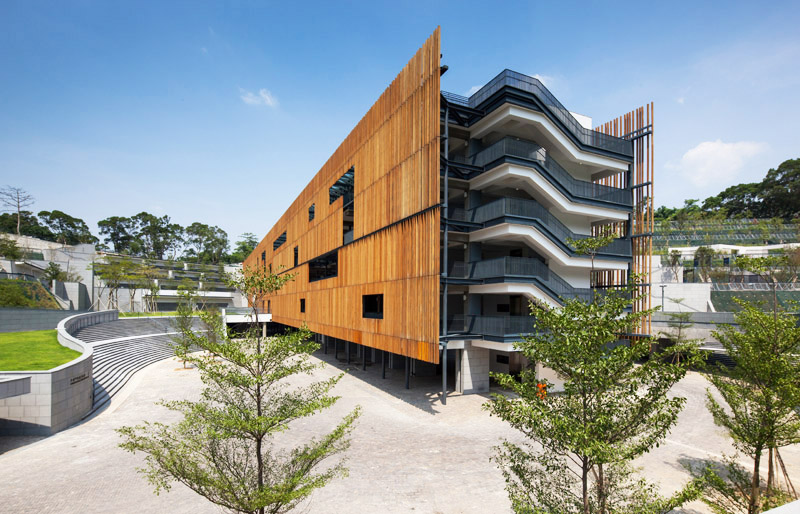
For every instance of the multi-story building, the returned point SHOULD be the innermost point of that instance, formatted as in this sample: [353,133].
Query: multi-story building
[439,217]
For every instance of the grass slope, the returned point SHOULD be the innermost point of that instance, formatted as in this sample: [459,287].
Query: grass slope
[31,295]
[34,350]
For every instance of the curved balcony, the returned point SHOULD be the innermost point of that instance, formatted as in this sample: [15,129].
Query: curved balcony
[523,270]
[491,327]
[531,212]
[547,103]
[531,155]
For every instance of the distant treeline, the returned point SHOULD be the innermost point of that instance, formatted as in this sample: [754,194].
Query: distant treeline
[777,196]
[143,235]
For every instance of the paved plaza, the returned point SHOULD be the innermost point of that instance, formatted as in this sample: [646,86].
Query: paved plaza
[409,453]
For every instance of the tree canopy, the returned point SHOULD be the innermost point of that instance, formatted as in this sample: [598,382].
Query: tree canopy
[776,196]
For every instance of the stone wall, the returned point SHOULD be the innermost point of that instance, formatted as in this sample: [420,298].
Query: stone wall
[59,397]
[20,320]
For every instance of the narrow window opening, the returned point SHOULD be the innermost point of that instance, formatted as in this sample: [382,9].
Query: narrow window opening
[311,212]
[278,242]
[343,187]
[372,306]
[269,306]
[302,305]
[324,266]
[296,256]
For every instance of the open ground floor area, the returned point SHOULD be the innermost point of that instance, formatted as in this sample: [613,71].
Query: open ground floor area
[409,452]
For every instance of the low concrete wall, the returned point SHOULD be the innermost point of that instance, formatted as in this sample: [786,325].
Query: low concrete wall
[58,397]
[20,320]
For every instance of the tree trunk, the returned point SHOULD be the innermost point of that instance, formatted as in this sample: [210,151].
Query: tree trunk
[770,470]
[601,489]
[754,506]
[585,485]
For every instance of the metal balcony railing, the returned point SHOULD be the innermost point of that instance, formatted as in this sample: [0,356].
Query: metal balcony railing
[531,85]
[535,154]
[534,211]
[520,268]
[493,326]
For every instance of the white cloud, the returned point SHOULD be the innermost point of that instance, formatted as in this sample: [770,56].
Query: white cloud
[715,162]
[680,100]
[263,97]
[472,90]
[547,80]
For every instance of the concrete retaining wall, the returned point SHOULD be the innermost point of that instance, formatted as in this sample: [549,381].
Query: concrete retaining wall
[20,320]
[59,397]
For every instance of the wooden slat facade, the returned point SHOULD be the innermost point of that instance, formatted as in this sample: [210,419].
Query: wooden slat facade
[636,126]
[394,151]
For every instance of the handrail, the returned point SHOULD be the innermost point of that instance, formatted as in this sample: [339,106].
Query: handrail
[536,155]
[532,85]
[533,210]
[521,267]
[498,326]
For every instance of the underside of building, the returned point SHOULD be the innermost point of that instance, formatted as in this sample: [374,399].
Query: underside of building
[440,217]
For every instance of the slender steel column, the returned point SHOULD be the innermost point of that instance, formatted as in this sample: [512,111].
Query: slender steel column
[363,358]
[444,374]
[408,373]
[347,350]
[383,363]
[325,345]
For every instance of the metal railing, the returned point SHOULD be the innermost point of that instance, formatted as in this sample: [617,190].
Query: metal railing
[527,150]
[497,326]
[533,210]
[18,276]
[534,86]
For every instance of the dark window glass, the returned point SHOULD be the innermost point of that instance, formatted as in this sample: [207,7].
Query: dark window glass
[502,359]
[278,242]
[296,256]
[325,266]
[302,305]
[311,212]
[503,307]
[343,187]
[372,306]
[263,258]
[269,306]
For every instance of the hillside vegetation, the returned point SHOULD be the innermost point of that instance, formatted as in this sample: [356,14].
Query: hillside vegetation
[29,295]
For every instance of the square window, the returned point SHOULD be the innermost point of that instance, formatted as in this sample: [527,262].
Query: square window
[372,306]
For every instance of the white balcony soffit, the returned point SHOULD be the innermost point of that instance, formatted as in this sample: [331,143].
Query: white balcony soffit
[529,290]
[553,133]
[535,239]
[511,175]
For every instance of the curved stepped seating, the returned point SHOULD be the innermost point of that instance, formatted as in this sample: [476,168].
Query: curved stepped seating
[116,361]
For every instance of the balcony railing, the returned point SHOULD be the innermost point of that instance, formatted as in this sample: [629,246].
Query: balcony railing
[586,136]
[520,268]
[534,211]
[492,326]
[529,151]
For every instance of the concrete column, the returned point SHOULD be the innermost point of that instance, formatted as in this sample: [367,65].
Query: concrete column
[474,369]
[459,382]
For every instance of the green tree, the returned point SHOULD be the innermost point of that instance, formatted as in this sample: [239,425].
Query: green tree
[225,448]
[703,257]
[9,249]
[29,225]
[114,272]
[206,244]
[54,272]
[761,394]
[155,237]
[243,248]
[675,261]
[67,229]
[612,410]
[118,231]
[15,199]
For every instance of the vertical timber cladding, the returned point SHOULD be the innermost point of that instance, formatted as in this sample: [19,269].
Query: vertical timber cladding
[394,151]
[637,126]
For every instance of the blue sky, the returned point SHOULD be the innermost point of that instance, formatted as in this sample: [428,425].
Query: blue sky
[222,112]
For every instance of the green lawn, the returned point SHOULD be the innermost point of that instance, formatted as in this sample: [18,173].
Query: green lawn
[30,351]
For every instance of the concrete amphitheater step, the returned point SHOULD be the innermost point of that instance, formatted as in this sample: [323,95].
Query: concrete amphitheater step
[122,348]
